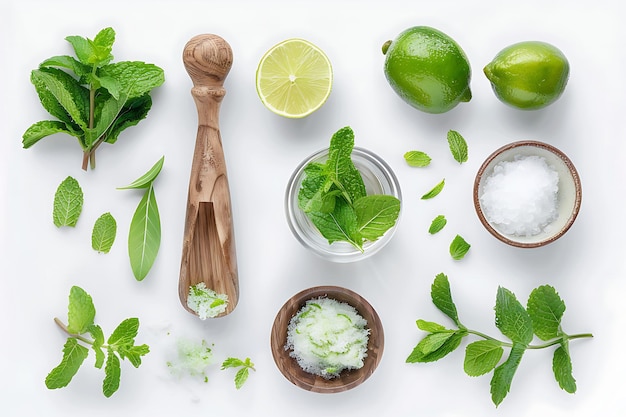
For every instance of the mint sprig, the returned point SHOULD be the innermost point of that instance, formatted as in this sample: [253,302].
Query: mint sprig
[92,98]
[84,334]
[243,369]
[333,197]
[541,318]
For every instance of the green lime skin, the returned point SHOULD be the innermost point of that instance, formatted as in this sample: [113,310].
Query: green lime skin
[528,75]
[427,69]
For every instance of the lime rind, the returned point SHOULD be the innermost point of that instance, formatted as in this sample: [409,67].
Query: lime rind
[294,78]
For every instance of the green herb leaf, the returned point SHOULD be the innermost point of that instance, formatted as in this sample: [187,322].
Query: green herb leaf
[112,374]
[442,297]
[482,357]
[459,248]
[103,234]
[417,159]
[503,374]
[67,62]
[144,237]
[340,167]
[376,214]
[458,146]
[340,225]
[434,191]
[73,357]
[40,130]
[123,337]
[512,319]
[68,203]
[242,374]
[429,326]
[146,179]
[562,368]
[81,311]
[546,309]
[98,342]
[135,353]
[437,224]
[241,377]
[428,351]
[134,111]
[137,78]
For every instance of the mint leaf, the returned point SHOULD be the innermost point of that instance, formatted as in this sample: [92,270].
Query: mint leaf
[482,356]
[134,354]
[340,225]
[417,159]
[82,49]
[102,45]
[546,309]
[434,191]
[112,374]
[437,224]
[436,346]
[242,374]
[512,319]
[241,377]
[340,167]
[376,214]
[442,297]
[41,129]
[136,78]
[144,236]
[123,337]
[67,62]
[562,368]
[134,111]
[459,248]
[429,326]
[73,357]
[98,342]
[503,374]
[146,179]
[106,112]
[68,203]
[103,234]
[81,311]
[458,146]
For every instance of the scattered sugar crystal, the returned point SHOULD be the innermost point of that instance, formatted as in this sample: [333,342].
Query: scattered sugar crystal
[520,196]
[206,302]
[327,336]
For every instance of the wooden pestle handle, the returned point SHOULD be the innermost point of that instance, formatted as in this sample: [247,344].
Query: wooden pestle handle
[208,244]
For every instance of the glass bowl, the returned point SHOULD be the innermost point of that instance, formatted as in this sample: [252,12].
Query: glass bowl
[569,195]
[347,379]
[378,178]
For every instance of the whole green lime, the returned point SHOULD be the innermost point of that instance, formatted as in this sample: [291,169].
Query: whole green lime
[427,69]
[528,75]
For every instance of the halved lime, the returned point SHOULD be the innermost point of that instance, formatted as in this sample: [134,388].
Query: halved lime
[294,78]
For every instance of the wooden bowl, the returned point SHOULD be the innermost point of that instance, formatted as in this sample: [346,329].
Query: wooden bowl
[347,379]
[569,194]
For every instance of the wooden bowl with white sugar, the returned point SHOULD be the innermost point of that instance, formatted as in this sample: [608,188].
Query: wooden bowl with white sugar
[348,378]
[527,194]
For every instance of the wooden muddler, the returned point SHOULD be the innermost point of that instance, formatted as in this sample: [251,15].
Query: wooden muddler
[208,245]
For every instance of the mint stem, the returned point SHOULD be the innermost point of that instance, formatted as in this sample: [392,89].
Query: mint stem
[552,342]
[74,335]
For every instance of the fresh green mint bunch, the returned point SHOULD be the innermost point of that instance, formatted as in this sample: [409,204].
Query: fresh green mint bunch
[541,317]
[91,97]
[84,334]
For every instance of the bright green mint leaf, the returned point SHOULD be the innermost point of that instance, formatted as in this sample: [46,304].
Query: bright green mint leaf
[40,130]
[436,346]
[241,377]
[340,225]
[376,214]
[68,203]
[434,191]
[437,224]
[134,111]
[82,49]
[458,146]
[98,342]
[442,297]
[459,248]
[102,45]
[112,374]
[106,112]
[135,353]
[67,62]
[340,167]
[81,311]
[72,99]
[417,159]
[242,374]
[136,78]
[73,357]
[429,326]
[482,356]
[144,236]
[123,336]
[546,309]
[562,368]
[103,234]
[503,374]
[512,319]
[146,179]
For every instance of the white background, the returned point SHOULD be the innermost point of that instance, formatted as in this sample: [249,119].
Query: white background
[40,262]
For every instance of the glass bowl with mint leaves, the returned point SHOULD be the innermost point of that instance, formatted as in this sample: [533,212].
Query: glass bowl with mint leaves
[343,202]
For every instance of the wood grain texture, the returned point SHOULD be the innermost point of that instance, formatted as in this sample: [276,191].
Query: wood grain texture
[208,254]
[347,379]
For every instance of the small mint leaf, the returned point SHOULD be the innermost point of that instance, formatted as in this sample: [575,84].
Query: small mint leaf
[112,374]
[442,297]
[376,214]
[103,234]
[482,356]
[81,311]
[512,319]
[241,377]
[546,309]
[434,191]
[68,203]
[417,159]
[458,146]
[437,224]
[459,248]
[146,179]
[562,368]
[73,357]
[429,326]
[503,374]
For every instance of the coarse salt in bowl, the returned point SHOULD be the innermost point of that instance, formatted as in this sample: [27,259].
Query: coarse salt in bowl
[527,194]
